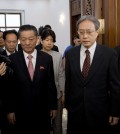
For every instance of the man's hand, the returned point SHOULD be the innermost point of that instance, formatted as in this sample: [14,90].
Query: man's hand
[113,120]
[11,118]
[53,113]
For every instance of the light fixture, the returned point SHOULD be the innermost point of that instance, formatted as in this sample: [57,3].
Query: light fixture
[102,26]
[62,18]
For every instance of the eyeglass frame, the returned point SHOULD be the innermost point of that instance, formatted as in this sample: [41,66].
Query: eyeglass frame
[88,32]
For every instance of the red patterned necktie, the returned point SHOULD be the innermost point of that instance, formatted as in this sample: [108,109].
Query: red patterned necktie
[30,66]
[86,65]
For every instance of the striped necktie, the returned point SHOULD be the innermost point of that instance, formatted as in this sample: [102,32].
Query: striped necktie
[30,66]
[86,65]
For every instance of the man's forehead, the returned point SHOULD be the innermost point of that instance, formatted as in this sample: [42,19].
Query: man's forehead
[1,33]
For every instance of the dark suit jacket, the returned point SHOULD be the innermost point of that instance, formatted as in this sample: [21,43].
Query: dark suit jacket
[1,50]
[32,100]
[4,86]
[55,48]
[89,101]
[117,49]
[5,53]
[4,78]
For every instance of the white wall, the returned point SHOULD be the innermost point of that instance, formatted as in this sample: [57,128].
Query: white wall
[42,12]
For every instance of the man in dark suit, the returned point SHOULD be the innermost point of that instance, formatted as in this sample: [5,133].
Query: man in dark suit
[3,68]
[117,49]
[92,101]
[11,40]
[5,72]
[31,103]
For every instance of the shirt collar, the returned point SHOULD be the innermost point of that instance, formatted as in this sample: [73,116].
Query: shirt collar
[33,54]
[91,49]
[8,53]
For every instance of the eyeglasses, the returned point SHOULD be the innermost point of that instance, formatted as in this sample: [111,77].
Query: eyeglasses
[88,32]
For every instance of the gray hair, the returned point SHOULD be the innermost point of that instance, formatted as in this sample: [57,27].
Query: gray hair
[90,18]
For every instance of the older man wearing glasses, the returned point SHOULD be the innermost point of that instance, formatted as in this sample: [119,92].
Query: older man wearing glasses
[92,88]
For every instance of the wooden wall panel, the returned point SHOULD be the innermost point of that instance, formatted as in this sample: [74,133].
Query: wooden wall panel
[84,7]
[118,23]
[76,7]
[112,23]
[103,9]
[112,20]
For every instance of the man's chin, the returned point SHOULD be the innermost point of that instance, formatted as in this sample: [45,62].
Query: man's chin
[86,45]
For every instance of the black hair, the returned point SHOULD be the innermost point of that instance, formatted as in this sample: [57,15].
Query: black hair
[48,26]
[40,29]
[26,28]
[48,32]
[5,33]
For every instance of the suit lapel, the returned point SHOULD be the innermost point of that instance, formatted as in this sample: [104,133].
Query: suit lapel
[37,65]
[77,60]
[23,65]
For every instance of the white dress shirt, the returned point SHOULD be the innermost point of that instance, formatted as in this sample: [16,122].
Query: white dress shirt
[83,55]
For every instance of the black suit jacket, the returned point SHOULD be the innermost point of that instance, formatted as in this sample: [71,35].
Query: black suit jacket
[5,53]
[6,76]
[117,49]
[89,101]
[32,100]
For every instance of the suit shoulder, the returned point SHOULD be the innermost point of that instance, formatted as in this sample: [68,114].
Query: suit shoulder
[4,52]
[15,54]
[117,49]
[106,48]
[44,54]
[73,50]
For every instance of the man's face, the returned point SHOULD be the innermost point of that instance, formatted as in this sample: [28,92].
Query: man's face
[11,42]
[1,40]
[87,32]
[76,41]
[28,41]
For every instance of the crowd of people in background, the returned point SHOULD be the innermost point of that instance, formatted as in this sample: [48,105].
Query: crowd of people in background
[39,81]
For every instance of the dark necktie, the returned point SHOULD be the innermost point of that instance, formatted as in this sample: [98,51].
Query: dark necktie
[86,65]
[30,66]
